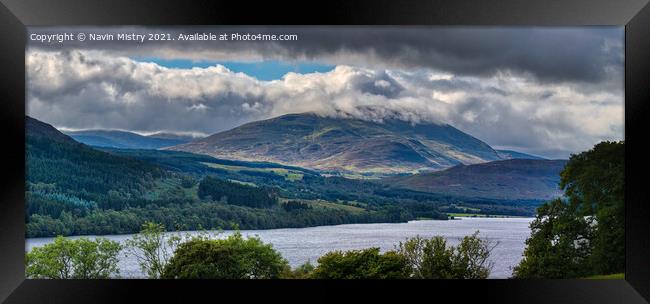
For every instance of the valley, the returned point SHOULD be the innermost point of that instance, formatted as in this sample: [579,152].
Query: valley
[120,185]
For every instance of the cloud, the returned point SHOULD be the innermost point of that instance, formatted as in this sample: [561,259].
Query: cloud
[547,54]
[80,89]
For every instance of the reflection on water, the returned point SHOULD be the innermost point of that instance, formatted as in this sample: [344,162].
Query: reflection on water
[298,245]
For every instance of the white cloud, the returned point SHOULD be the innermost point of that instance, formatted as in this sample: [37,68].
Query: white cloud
[91,89]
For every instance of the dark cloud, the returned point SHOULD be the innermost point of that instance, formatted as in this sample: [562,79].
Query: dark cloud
[584,54]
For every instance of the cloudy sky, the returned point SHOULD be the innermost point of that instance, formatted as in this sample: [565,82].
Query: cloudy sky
[545,91]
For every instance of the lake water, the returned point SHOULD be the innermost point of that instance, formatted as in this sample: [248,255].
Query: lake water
[299,245]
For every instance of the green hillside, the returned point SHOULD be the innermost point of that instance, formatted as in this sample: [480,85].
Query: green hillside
[74,189]
[76,169]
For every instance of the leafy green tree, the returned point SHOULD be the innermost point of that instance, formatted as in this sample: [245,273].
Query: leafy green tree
[582,234]
[594,182]
[471,257]
[231,258]
[361,264]
[433,259]
[152,248]
[74,259]
[559,244]
[428,258]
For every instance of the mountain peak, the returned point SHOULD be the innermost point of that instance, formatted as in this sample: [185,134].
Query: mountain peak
[346,144]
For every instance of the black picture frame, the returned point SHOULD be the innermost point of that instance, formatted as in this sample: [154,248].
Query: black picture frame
[634,15]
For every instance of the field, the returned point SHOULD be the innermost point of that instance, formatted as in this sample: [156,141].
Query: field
[289,175]
[328,205]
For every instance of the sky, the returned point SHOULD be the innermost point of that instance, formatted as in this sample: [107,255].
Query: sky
[547,91]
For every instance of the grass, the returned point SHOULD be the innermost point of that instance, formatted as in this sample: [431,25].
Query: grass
[328,205]
[292,177]
[615,276]
[288,175]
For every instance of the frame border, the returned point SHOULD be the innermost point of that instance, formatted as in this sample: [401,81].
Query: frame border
[15,15]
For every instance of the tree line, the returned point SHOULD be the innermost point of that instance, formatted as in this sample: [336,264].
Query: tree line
[579,235]
[205,256]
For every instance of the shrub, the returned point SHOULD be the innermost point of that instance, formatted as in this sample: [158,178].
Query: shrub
[230,258]
[74,259]
[361,264]
[433,259]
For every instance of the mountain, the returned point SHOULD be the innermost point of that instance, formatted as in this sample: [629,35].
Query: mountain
[524,179]
[127,140]
[345,144]
[75,189]
[75,168]
[509,154]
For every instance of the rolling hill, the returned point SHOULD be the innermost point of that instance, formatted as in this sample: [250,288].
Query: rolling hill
[127,140]
[346,145]
[73,188]
[506,179]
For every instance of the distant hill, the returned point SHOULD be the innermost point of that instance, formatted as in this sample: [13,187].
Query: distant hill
[127,140]
[509,154]
[344,144]
[507,179]
[173,136]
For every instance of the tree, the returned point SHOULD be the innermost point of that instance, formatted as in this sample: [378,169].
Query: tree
[152,248]
[433,259]
[471,258]
[582,234]
[559,244]
[231,258]
[74,259]
[361,264]
[594,182]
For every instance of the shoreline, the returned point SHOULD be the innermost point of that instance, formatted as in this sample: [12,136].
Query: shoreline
[299,245]
[283,228]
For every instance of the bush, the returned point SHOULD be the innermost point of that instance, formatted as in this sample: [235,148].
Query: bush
[433,259]
[230,258]
[303,271]
[73,259]
[361,264]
